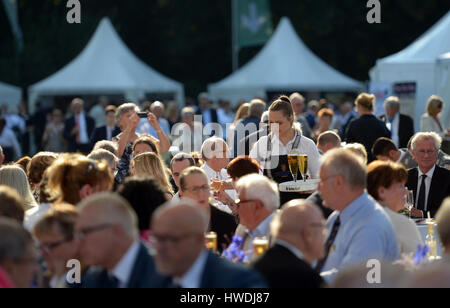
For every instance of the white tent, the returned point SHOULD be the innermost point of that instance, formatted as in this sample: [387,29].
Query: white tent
[106,66]
[417,63]
[10,95]
[443,86]
[285,63]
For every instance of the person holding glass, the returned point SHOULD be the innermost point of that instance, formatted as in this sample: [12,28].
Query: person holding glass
[386,184]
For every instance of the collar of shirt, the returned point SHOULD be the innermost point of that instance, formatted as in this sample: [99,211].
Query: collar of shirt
[353,208]
[291,248]
[123,269]
[263,227]
[213,174]
[277,141]
[193,276]
[429,173]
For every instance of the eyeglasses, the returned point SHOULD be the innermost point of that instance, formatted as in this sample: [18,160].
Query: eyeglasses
[52,246]
[197,189]
[169,239]
[423,152]
[86,231]
[238,202]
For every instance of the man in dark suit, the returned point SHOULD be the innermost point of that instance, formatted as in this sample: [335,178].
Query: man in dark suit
[108,131]
[178,233]
[429,182]
[78,128]
[400,125]
[109,242]
[248,125]
[299,242]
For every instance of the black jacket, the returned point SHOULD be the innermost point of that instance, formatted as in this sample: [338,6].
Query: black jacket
[224,225]
[99,134]
[405,129]
[69,124]
[282,269]
[366,130]
[439,188]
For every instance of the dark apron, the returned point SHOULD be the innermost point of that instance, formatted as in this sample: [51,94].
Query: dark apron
[281,173]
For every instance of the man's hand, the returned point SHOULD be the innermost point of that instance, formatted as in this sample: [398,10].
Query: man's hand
[153,120]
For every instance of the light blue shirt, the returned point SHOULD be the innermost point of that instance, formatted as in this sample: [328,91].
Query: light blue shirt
[144,128]
[365,233]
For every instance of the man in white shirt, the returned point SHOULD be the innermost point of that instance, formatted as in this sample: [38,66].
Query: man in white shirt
[258,201]
[109,242]
[178,235]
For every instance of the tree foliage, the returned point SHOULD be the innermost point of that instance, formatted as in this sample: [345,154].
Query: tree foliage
[190,40]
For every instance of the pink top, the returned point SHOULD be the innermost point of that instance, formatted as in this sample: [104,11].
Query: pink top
[5,282]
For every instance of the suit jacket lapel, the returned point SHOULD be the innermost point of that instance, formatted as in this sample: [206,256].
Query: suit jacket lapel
[434,189]
[138,270]
[412,181]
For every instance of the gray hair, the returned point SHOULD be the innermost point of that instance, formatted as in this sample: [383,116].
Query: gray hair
[437,140]
[102,154]
[345,163]
[110,146]
[111,208]
[210,147]
[443,222]
[124,108]
[256,108]
[259,187]
[392,102]
[14,240]
[265,117]
[16,178]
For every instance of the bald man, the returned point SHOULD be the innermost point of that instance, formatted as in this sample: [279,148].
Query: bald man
[108,237]
[178,236]
[300,233]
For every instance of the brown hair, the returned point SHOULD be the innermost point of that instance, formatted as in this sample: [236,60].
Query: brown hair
[38,164]
[325,112]
[60,219]
[188,171]
[11,205]
[365,100]
[148,141]
[71,172]
[283,104]
[23,163]
[242,112]
[241,166]
[384,174]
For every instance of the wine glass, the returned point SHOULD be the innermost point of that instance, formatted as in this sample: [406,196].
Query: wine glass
[410,201]
[303,165]
[293,161]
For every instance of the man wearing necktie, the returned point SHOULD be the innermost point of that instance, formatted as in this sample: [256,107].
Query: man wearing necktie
[78,128]
[359,228]
[429,182]
[400,125]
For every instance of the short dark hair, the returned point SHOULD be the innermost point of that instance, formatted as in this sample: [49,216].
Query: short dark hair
[148,141]
[145,195]
[14,241]
[383,146]
[329,137]
[180,157]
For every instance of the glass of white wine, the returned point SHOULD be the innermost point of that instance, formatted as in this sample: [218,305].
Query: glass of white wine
[410,201]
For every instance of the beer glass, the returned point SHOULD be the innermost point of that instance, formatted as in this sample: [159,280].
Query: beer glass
[216,184]
[293,163]
[303,165]
[260,246]
[211,241]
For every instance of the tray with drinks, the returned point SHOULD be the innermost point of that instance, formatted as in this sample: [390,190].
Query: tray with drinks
[299,186]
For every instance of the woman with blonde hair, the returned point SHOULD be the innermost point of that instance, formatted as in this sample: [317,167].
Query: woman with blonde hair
[150,164]
[431,120]
[73,177]
[367,128]
[15,177]
[242,112]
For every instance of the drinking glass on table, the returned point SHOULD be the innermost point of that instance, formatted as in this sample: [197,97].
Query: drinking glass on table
[410,201]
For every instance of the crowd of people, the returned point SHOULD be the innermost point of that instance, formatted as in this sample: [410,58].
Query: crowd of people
[131,194]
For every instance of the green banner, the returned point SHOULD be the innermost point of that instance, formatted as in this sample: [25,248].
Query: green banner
[11,11]
[253,22]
